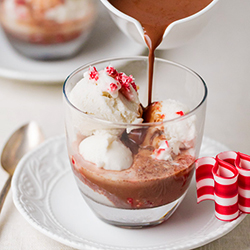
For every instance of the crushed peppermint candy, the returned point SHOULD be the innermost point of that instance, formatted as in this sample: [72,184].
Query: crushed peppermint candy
[113,87]
[122,78]
[111,71]
[163,152]
[181,113]
[126,81]
[121,82]
[93,73]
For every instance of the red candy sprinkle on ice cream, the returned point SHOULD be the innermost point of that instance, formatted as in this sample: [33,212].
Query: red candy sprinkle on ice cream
[181,113]
[93,74]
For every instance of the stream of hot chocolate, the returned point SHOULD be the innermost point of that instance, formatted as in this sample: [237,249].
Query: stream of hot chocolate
[154,17]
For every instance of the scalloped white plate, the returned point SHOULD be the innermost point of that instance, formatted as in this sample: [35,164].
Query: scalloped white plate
[105,41]
[45,193]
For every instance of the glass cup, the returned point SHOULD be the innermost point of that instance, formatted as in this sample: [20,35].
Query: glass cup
[151,189]
[47,29]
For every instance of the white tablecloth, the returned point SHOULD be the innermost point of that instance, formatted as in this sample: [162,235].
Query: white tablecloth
[220,54]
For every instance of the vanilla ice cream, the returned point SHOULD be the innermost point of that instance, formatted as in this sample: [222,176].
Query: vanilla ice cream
[107,95]
[106,151]
[177,134]
[112,96]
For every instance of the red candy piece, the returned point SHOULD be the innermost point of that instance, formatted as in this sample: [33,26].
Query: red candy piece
[93,73]
[130,201]
[113,87]
[125,81]
[158,151]
[111,71]
[180,113]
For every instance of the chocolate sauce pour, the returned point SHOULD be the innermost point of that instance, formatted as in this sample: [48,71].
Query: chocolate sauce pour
[154,17]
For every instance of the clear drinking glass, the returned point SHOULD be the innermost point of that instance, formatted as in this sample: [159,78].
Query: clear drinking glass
[47,29]
[150,190]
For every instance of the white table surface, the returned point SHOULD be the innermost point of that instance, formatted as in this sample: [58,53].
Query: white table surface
[220,54]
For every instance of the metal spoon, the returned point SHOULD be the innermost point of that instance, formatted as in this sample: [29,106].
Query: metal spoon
[22,141]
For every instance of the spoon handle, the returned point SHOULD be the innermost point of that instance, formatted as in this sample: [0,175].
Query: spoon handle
[5,191]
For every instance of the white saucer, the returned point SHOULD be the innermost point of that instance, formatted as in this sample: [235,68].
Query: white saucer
[45,193]
[105,41]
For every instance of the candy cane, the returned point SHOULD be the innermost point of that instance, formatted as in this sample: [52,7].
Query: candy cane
[226,180]
[242,164]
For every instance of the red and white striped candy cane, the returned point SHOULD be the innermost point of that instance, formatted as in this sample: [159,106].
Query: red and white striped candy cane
[242,164]
[226,180]
[204,178]
[226,187]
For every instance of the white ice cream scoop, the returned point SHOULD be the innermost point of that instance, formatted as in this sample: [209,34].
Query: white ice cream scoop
[176,34]
[106,151]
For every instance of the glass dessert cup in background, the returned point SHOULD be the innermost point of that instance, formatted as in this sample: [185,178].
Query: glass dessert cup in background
[150,190]
[47,29]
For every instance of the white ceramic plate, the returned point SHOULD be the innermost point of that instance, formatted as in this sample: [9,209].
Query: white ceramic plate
[105,41]
[45,193]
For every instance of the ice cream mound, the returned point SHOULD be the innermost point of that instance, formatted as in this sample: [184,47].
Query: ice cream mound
[178,134]
[108,95]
